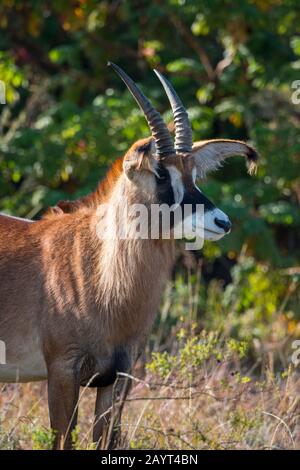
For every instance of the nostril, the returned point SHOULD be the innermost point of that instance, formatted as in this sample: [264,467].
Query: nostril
[224,224]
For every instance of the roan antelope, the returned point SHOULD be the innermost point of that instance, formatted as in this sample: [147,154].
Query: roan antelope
[75,308]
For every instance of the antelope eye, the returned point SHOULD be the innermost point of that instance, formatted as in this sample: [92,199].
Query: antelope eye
[163,176]
[162,179]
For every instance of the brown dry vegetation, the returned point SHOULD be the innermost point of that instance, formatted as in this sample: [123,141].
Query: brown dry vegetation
[221,412]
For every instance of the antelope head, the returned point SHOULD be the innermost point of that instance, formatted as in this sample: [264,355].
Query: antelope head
[167,171]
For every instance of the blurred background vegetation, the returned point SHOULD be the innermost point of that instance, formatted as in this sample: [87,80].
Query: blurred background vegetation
[68,116]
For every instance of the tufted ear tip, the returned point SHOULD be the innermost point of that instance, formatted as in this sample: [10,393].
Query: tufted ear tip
[210,154]
[252,157]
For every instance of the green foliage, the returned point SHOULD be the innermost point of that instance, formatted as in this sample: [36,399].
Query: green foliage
[195,352]
[260,306]
[161,363]
[240,347]
[42,438]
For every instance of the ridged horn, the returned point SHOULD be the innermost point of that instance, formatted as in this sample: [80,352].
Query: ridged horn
[183,129]
[159,130]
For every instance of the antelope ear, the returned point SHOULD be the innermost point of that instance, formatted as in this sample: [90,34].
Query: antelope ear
[140,157]
[210,154]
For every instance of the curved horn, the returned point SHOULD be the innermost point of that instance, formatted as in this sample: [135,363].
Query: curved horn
[159,130]
[183,130]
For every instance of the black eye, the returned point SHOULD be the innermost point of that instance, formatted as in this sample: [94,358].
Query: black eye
[162,176]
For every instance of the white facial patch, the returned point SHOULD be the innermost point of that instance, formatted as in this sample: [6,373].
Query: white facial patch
[204,225]
[212,230]
[177,185]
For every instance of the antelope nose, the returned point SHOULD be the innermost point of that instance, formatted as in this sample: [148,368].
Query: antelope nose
[224,224]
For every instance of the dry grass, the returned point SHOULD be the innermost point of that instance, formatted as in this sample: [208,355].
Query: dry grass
[221,411]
